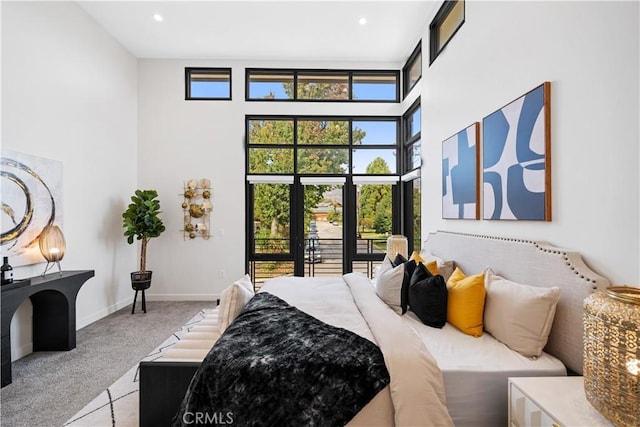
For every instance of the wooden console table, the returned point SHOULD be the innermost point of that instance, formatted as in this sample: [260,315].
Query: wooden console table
[54,312]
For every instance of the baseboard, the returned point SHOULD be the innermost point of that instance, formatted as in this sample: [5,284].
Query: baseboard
[181,297]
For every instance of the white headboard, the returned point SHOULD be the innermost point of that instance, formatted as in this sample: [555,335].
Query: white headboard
[532,263]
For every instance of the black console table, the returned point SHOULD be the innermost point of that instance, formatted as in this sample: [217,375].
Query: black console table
[54,312]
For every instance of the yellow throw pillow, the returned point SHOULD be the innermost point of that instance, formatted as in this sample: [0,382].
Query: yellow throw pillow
[432,266]
[416,257]
[465,303]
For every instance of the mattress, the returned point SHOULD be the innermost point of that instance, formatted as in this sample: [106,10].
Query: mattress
[476,372]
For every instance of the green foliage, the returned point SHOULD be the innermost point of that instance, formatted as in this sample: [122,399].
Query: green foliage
[141,220]
[271,202]
[375,201]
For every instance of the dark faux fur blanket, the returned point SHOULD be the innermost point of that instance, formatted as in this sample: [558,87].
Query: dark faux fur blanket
[278,366]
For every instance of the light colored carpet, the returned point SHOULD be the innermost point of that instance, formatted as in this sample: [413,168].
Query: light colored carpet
[118,405]
[49,387]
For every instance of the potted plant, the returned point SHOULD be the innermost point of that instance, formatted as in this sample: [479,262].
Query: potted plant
[141,221]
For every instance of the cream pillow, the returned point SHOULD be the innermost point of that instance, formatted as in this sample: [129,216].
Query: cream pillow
[520,316]
[232,301]
[389,284]
[246,282]
[445,268]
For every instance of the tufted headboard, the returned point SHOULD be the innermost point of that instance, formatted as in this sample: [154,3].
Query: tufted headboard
[532,263]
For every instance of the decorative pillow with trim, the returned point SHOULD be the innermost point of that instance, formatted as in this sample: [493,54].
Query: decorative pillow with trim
[519,315]
[465,305]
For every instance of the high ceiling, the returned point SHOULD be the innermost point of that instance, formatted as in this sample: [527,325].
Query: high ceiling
[320,30]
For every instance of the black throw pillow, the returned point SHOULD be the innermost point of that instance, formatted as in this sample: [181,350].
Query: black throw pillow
[428,297]
[409,266]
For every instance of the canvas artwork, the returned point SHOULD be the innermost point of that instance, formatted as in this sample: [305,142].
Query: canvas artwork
[516,159]
[460,186]
[31,200]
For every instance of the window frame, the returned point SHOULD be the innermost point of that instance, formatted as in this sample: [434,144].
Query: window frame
[407,139]
[436,24]
[417,53]
[189,71]
[328,72]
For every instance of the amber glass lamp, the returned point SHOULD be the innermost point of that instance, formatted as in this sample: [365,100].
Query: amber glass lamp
[52,246]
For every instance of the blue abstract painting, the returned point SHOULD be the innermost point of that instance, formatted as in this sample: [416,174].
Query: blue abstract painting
[516,166]
[460,175]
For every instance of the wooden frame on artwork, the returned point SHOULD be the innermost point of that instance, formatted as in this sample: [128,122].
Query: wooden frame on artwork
[516,158]
[460,174]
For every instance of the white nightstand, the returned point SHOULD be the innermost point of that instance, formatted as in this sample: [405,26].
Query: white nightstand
[551,401]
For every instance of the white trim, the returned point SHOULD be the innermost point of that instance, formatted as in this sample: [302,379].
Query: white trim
[270,179]
[382,179]
[411,175]
[322,180]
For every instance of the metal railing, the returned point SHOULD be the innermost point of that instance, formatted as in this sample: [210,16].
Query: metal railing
[322,258]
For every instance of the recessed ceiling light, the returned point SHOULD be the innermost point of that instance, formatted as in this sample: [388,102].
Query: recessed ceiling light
[363,21]
[157,17]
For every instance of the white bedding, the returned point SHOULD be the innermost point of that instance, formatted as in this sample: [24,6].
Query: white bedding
[416,394]
[474,371]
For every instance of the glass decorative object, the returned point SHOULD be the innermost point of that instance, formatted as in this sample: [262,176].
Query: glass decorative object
[52,246]
[612,354]
[397,244]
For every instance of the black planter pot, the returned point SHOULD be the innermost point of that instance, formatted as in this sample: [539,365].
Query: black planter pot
[140,280]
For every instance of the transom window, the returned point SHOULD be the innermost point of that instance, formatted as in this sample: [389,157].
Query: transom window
[412,71]
[444,26]
[208,83]
[322,85]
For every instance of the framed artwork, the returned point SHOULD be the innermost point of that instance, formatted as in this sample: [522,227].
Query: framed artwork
[31,200]
[516,158]
[460,183]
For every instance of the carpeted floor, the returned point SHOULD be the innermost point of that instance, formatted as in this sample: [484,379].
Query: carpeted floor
[49,388]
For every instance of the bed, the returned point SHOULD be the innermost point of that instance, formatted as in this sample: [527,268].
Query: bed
[438,375]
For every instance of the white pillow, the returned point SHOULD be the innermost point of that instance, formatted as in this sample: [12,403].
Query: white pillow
[246,282]
[389,284]
[445,268]
[520,316]
[232,301]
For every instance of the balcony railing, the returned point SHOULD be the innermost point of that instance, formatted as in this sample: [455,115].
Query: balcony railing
[322,258]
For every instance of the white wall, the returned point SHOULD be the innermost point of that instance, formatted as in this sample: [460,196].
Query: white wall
[179,140]
[589,53]
[69,93]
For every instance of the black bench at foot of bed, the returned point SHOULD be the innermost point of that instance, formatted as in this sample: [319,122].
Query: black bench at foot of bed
[162,388]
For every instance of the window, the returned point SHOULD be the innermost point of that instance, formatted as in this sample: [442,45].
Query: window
[411,184]
[276,85]
[208,83]
[322,85]
[412,71]
[412,144]
[444,26]
[322,193]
